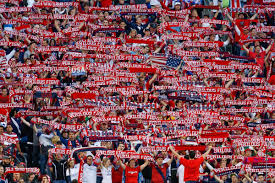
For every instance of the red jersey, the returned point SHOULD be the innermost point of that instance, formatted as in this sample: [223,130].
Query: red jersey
[259,57]
[157,178]
[191,168]
[117,175]
[131,174]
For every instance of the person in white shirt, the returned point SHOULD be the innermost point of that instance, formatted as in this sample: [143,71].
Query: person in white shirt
[72,171]
[89,171]
[106,170]
[180,173]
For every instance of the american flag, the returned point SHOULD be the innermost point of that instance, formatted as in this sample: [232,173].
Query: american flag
[170,61]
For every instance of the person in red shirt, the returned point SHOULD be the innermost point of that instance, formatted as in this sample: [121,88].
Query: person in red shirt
[4,97]
[258,55]
[132,171]
[191,165]
[159,169]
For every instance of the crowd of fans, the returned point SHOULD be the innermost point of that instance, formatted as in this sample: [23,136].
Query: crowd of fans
[132,90]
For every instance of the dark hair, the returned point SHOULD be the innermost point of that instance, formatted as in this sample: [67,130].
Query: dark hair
[58,143]
[74,181]
[192,154]
[89,156]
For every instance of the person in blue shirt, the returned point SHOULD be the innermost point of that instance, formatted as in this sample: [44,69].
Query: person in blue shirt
[71,142]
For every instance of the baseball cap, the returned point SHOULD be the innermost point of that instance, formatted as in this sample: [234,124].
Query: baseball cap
[177,3]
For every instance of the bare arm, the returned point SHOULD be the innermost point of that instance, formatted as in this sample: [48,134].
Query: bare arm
[153,78]
[144,165]
[179,65]
[121,164]
[254,16]
[207,152]
[229,17]
[186,18]
[174,152]
[170,161]
[218,179]
[269,47]
[245,48]
[28,124]
[229,83]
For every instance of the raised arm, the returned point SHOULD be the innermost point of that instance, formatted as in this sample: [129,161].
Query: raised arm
[144,165]
[174,152]
[170,161]
[121,164]
[254,16]
[218,179]
[246,49]
[153,78]
[28,124]
[207,152]
[229,17]
[269,47]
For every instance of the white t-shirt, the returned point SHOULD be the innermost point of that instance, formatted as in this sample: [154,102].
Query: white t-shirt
[180,173]
[73,172]
[154,2]
[106,174]
[89,173]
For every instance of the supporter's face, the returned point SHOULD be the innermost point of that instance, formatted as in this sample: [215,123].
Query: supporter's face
[224,177]
[9,128]
[147,49]
[132,163]
[71,163]
[147,33]
[106,13]
[101,16]
[45,179]
[212,37]
[73,11]
[179,104]
[89,160]
[177,7]
[167,19]
[105,23]
[241,16]
[31,177]
[139,21]
[1,170]
[273,115]
[44,43]
[65,135]
[58,157]
[4,92]
[223,164]
[230,123]
[261,178]
[71,136]
[16,176]
[7,160]
[108,145]
[121,1]
[159,161]
[258,49]
[234,179]
[121,147]
[104,126]
[122,25]
[248,153]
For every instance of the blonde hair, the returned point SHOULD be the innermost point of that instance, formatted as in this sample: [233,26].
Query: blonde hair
[104,161]
[55,139]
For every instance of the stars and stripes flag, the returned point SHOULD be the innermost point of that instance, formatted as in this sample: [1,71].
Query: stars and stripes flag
[170,61]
